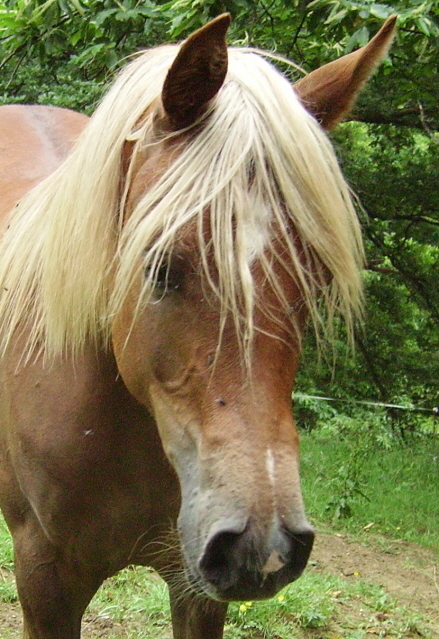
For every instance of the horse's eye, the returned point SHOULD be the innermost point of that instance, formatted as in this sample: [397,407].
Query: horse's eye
[169,278]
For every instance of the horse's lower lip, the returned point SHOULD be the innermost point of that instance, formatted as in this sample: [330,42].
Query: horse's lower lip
[253,588]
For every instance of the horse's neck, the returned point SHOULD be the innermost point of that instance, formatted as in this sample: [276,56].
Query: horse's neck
[84,391]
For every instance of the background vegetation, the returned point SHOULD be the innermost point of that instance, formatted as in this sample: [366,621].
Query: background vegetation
[361,465]
[64,52]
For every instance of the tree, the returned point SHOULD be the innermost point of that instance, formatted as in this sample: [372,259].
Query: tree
[62,51]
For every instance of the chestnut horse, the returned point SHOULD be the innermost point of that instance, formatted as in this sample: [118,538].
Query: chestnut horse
[155,280]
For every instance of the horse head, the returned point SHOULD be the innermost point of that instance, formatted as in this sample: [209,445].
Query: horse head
[208,332]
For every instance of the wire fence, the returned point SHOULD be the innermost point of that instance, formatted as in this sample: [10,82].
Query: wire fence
[414,409]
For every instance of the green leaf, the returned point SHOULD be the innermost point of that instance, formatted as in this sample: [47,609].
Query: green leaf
[424,24]
[358,39]
[337,17]
[11,22]
[381,11]
[102,16]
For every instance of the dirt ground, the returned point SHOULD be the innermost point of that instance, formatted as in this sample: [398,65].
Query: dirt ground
[407,572]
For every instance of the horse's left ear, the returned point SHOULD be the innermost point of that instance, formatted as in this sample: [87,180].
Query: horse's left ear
[330,91]
[197,73]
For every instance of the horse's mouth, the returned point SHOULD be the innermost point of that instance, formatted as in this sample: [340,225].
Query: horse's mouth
[252,586]
[244,577]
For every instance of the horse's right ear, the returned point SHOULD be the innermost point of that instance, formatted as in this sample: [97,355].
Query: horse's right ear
[197,73]
[330,91]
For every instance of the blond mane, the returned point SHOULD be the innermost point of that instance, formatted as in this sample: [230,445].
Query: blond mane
[257,162]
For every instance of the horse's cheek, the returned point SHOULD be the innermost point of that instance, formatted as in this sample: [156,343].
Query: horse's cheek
[131,350]
[177,425]
[150,353]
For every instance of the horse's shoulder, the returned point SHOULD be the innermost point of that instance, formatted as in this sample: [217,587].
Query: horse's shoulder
[34,139]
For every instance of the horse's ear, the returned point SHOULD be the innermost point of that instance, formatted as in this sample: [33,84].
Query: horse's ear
[197,73]
[330,91]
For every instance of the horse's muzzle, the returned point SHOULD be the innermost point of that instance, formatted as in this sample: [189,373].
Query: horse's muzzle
[236,565]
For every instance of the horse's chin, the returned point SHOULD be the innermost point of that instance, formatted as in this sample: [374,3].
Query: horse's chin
[198,586]
[254,588]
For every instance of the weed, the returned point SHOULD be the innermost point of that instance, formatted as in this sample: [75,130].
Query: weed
[354,479]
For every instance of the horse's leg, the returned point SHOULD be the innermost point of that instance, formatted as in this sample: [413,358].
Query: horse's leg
[195,617]
[53,592]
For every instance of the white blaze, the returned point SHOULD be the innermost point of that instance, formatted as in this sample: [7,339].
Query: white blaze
[270,465]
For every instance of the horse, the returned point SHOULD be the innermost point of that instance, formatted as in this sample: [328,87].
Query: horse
[158,264]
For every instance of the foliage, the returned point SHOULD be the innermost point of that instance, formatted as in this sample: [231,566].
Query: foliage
[62,52]
[358,470]
[93,33]
[91,36]
[395,172]
[368,463]
[317,31]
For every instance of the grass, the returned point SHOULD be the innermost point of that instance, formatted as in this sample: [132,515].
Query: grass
[8,593]
[394,488]
[316,606]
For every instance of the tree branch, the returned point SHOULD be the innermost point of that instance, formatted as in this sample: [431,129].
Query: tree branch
[409,117]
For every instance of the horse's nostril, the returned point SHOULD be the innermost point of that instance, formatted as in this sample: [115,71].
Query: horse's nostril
[232,561]
[301,544]
[220,561]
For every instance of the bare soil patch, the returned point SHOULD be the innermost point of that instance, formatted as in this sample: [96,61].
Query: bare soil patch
[407,572]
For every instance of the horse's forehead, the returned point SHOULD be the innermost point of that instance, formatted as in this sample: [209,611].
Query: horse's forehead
[145,164]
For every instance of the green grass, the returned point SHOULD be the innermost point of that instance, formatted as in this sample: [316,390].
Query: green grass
[318,606]
[135,592]
[397,488]
[8,593]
